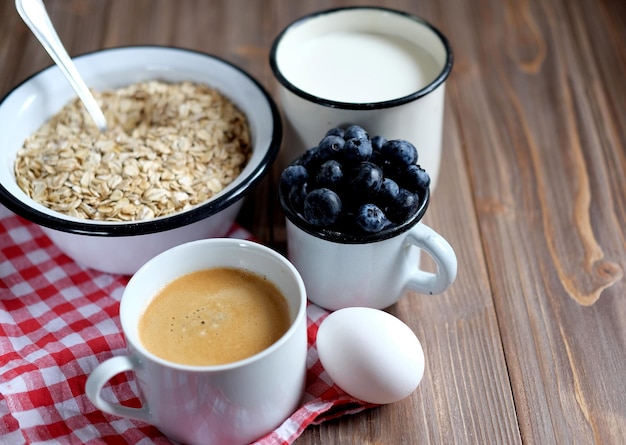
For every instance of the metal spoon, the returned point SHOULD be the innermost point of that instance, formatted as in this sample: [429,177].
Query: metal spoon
[34,14]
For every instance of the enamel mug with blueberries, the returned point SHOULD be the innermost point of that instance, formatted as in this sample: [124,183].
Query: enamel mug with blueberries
[374,270]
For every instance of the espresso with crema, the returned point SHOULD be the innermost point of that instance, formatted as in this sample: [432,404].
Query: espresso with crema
[214,316]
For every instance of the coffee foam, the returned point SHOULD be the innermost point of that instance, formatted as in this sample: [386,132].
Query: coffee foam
[214,316]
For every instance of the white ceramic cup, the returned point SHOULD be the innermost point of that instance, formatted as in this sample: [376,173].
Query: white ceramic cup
[341,270]
[234,403]
[382,69]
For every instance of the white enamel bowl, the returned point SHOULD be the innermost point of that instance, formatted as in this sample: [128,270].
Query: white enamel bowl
[123,247]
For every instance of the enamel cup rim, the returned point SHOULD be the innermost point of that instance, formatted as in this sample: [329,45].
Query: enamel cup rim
[352,238]
[303,21]
[115,67]
[129,317]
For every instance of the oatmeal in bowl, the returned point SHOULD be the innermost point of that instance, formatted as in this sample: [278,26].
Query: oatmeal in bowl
[188,136]
[168,148]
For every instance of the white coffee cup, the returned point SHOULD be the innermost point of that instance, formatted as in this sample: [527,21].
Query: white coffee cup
[382,69]
[234,403]
[341,270]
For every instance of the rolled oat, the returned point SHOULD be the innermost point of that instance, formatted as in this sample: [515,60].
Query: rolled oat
[168,147]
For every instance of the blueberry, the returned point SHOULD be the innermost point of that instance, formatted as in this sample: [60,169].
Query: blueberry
[391,169]
[377,142]
[312,158]
[357,150]
[399,151]
[370,218]
[388,192]
[322,207]
[292,175]
[336,131]
[355,132]
[330,146]
[416,178]
[330,174]
[296,196]
[376,158]
[366,179]
[403,207]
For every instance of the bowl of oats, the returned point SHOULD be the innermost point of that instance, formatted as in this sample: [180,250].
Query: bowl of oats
[188,135]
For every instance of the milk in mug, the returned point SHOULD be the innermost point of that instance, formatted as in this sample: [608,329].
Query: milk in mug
[360,67]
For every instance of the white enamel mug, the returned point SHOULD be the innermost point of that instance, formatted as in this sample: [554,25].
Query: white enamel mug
[234,403]
[382,69]
[341,270]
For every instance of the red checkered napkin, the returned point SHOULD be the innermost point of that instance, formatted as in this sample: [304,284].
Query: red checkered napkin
[58,321]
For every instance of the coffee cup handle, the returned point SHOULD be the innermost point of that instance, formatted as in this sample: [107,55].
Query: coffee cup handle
[443,255]
[104,372]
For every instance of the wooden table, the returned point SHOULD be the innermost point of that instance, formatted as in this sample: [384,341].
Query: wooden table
[529,344]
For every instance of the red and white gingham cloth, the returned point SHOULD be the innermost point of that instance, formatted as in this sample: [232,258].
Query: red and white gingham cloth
[59,320]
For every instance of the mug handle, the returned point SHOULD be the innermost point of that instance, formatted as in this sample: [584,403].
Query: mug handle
[104,372]
[441,252]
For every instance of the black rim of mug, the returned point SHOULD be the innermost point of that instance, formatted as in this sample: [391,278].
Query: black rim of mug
[352,238]
[440,79]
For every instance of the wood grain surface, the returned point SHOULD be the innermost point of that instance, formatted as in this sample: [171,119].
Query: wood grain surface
[529,344]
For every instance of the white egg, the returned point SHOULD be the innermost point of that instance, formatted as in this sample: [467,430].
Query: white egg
[370,354]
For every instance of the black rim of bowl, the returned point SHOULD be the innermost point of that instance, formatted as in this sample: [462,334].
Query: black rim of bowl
[352,238]
[164,223]
[441,77]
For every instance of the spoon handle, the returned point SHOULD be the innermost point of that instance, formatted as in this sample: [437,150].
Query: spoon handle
[34,14]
